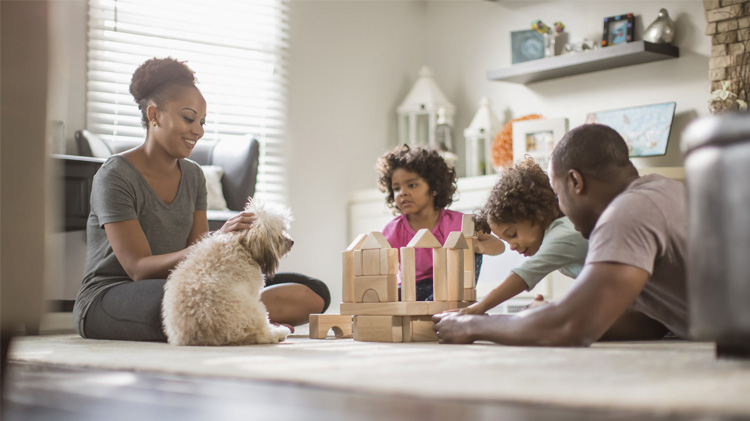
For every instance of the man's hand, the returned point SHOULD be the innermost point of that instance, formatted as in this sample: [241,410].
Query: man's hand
[455,328]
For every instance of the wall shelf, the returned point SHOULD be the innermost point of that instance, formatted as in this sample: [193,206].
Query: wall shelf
[635,52]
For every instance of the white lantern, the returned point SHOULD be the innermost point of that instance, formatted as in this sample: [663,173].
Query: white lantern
[479,137]
[417,115]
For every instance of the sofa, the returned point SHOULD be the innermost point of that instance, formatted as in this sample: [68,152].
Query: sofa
[230,166]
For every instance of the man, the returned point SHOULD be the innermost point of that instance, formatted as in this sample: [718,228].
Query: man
[632,286]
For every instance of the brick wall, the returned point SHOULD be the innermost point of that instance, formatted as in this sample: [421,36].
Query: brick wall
[729,29]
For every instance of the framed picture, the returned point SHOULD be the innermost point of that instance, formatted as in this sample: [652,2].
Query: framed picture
[618,29]
[645,128]
[526,45]
[537,138]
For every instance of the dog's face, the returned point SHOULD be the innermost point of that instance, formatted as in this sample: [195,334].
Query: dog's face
[268,239]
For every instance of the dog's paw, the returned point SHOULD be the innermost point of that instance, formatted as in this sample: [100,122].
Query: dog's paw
[280,332]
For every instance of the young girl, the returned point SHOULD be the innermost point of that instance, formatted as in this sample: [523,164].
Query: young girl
[419,185]
[522,210]
[148,207]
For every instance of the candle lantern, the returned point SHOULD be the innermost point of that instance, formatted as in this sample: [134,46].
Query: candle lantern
[418,113]
[479,137]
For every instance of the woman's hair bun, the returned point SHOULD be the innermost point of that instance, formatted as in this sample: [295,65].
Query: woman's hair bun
[156,72]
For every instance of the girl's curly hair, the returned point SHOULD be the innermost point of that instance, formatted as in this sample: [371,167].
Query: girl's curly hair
[152,79]
[522,193]
[425,162]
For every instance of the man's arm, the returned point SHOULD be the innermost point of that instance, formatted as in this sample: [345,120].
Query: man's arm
[600,296]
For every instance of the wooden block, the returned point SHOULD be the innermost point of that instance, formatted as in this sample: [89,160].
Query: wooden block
[357,262]
[385,286]
[455,274]
[357,243]
[378,328]
[408,275]
[470,294]
[416,308]
[467,225]
[439,274]
[347,276]
[418,329]
[375,240]
[424,239]
[469,279]
[370,262]
[389,261]
[469,264]
[456,240]
[320,324]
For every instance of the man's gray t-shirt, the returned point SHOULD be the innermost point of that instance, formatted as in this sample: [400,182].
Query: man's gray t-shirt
[563,248]
[646,227]
[121,193]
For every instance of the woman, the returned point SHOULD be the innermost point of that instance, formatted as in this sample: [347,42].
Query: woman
[148,206]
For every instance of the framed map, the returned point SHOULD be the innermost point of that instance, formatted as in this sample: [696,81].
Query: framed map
[645,129]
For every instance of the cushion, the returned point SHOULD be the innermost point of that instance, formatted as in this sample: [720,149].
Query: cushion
[213,175]
[100,148]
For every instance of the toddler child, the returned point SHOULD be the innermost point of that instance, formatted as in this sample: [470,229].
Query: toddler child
[419,185]
[523,211]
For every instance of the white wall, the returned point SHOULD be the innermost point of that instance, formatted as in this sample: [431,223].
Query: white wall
[352,63]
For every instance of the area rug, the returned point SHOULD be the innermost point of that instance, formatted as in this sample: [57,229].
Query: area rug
[668,376]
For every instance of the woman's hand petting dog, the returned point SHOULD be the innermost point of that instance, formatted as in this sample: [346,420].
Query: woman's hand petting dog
[241,221]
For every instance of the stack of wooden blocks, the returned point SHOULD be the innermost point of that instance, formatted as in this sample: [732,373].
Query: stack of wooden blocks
[371,309]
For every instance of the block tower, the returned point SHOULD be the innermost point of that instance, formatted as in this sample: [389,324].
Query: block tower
[371,309]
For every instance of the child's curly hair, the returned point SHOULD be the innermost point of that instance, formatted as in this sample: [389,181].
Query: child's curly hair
[522,193]
[427,163]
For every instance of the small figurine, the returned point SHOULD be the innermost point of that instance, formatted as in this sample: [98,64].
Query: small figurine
[661,31]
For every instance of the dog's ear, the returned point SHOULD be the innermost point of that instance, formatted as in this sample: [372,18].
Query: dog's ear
[262,250]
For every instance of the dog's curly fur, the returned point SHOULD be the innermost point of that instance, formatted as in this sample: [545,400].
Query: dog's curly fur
[213,296]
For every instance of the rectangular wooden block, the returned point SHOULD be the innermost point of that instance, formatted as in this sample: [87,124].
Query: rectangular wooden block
[371,262]
[416,308]
[389,261]
[408,275]
[378,328]
[418,329]
[320,324]
[470,294]
[467,225]
[357,262]
[379,288]
[439,274]
[469,281]
[455,275]
[347,276]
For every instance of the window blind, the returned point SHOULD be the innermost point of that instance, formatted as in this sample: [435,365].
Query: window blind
[237,49]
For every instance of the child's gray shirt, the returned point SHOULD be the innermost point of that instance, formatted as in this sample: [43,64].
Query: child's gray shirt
[563,248]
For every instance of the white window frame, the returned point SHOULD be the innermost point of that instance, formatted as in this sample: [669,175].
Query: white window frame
[238,50]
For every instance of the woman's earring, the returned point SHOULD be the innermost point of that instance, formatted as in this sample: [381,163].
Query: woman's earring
[153,123]
[434,193]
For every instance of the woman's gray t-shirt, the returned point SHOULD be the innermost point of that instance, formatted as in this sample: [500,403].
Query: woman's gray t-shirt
[121,193]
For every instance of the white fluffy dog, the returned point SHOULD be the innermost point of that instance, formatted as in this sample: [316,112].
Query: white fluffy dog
[213,296]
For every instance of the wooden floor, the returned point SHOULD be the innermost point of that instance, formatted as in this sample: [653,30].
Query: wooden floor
[37,392]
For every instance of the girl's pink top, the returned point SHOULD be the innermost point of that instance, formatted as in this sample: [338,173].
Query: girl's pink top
[399,233]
